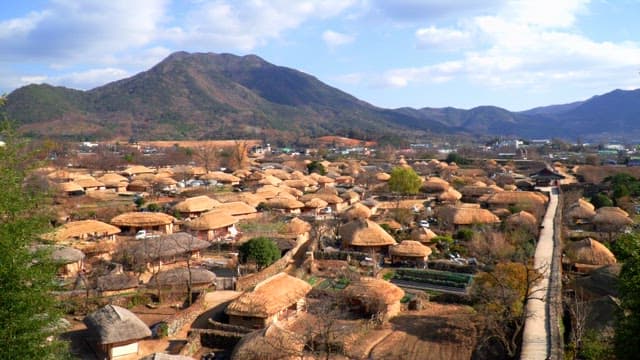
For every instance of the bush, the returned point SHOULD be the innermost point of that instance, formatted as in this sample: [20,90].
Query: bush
[261,250]
[464,234]
[153,207]
[601,200]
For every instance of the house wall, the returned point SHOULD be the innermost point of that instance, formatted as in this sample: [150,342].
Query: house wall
[123,350]
[249,321]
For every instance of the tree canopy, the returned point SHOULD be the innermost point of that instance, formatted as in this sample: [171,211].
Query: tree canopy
[261,250]
[316,167]
[404,181]
[28,313]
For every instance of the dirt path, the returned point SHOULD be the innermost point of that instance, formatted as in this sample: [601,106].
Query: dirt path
[536,336]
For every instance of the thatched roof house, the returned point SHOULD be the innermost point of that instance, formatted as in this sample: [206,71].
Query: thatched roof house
[611,219]
[410,251]
[581,211]
[522,219]
[168,248]
[137,170]
[272,343]
[375,296]
[357,211]
[71,188]
[116,330]
[284,204]
[298,227]
[83,230]
[221,177]
[196,205]
[275,298]
[423,235]
[465,216]
[213,225]
[508,198]
[70,260]
[238,209]
[451,195]
[116,283]
[435,185]
[589,252]
[365,234]
[154,221]
[89,183]
[382,176]
[178,278]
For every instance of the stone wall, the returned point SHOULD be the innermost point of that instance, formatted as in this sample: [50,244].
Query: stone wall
[178,320]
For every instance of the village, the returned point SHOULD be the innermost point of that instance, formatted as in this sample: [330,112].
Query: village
[238,251]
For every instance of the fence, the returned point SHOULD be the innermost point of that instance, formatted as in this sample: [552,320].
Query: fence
[554,293]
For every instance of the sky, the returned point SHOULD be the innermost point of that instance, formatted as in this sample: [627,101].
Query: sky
[390,53]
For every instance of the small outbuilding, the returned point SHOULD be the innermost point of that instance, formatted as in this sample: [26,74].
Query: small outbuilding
[115,331]
[150,221]
[410,252]
[374,296]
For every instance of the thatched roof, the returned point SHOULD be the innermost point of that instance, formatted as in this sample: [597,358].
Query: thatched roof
[221,177]
[279,173]
[235,208]
[284,189]
[214,219]
[269,180]
[114,324]
[82,228]
[381,176]
[501,212]
[70,187]
[362,232]
[142,219]
[410,248]
[589,251]
[315,203]
[269,296]
[87,181]
[612,216]
[246,197]
[476,191]
[180,277]
[451,195]
[61,175]
[271,343]
[357,211]
[137,169]
[196,204]
[516,197]
[113,179]
[284,203]
[435,184]
[296,184]
[114,282]
[466,216]
[373,290]
[167,246]
[66,254]
[423,235]
[267,191]
[328,197]
[522,219]
[581,210]
[298,226]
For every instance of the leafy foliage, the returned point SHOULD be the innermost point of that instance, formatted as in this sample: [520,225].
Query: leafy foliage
[627,342]
[316,167]
[260,250]
[457,158]
[626,246]
[404,181]
[601,200]
[28,313]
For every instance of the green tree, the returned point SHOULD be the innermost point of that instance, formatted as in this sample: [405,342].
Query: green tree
[627,342]
[626,246]
[316,167]
[457,158]
[404,181]
[260,250]
[601,200]
[28,313]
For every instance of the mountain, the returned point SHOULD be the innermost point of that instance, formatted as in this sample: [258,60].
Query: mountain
[211,96]
[206,96]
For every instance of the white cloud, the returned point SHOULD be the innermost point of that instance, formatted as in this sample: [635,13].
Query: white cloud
[334,39]
[245,25]
[527,46]
[89,79]
[443,38]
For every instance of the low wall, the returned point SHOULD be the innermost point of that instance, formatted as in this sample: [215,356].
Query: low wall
[178,320]
[554,304]
[210,338]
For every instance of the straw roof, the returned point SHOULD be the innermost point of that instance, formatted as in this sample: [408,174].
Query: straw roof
[517,197]
[589,251]
[180,276]
[350,196]
[114,324]
[315,203]
[246,197]
[269,296]
[296,184]
[284,189]
[581,210]
[522,219]
[167,246]
[70,187]
[410,248]
[215,219]
[362,232]
[269,180]
[381,176]
[370,290]
[114,282]
[271,343]
[435,184]
[136,170]
[267,191]
[66,254]
[87,182]
[196,204]
[139,183]
[298,226]
[235,208]
[221,177]
[467,216]
[611,216]
[284,203]
[279,173]
[357,211]
[61,175]
[328,197]
[423,235]
[501,212]
[476,191]
[451,195]
[112,179]
[82,228]
[163,180]
[142,219]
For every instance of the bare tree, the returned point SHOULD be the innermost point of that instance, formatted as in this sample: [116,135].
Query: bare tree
[579,309]
[240,153]
[207,155]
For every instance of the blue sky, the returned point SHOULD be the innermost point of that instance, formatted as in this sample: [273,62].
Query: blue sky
[391,53]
